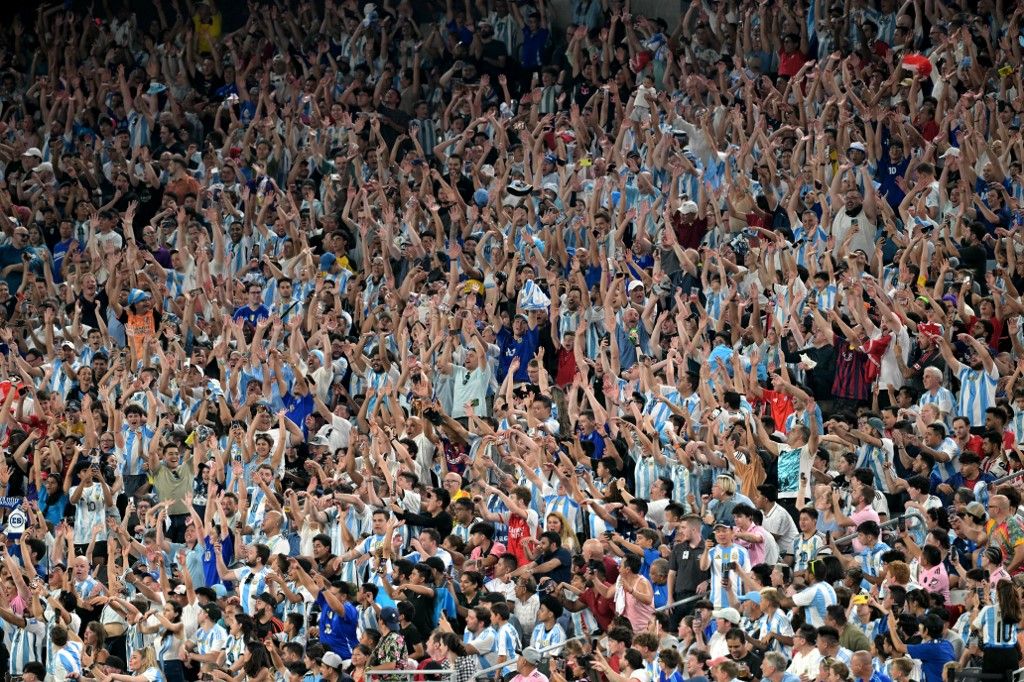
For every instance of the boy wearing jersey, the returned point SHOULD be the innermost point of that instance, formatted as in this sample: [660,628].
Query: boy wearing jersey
[723,560]
[808,543]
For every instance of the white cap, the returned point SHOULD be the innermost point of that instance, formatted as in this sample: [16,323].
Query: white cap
[952,151]
[33,151]
[43,167]
[730,614]
[859,146]
[687,207]
[635,284]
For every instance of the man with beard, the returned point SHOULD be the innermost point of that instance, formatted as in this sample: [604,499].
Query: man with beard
[978,376]
[264,620]
[251,578]
[856,222]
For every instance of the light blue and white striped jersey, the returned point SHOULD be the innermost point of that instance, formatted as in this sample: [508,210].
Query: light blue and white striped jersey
[257,510]
[871,558]
[567,507]
[60,382]
[300,607]
[1017,424]
[815,599]
[354,521]
[946,470]
[26,645]
[154,674]
[90,512]
[134,639]
[719,557]
[495,505]
[945,401]
[995,632]
[778,623]
[136,445]
[461,531]
[542,638]
[212,640]
[826,297]
[814,243]
[234,649]
[875,459]
[507,644]
[88,588]
[251,584]
[646,472]
[977,393]
[485,643]
[367,619]
[805,550]
[68,660]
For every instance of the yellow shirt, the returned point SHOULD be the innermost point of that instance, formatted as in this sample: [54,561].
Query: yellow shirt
[207,33]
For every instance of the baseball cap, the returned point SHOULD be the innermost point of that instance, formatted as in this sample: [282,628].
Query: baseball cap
[33,151]
[532,655]
[687,207]
[858,146]
[976,511]
[389,617]
[635,284]
[730,614]
[331,660]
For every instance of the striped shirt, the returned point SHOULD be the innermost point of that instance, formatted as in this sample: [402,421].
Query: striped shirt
[541,639]
[719,556]
[26,645]
[995,632]
[90,512]
[875,458]
[567,507]
[136,445]
[871,558]
[977,393]
[780,625]
[251,584]
[815,599]
[212,640]
[507,644]
[805,550]
[68,660]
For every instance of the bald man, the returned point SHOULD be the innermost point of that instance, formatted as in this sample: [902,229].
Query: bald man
[1006,533]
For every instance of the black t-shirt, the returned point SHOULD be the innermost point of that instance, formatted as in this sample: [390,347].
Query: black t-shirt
[89,308]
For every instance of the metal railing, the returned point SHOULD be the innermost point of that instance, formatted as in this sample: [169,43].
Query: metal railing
[680,602]
[891,523]
[434,673]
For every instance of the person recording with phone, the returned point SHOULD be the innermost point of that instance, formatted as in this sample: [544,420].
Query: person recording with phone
[723,561]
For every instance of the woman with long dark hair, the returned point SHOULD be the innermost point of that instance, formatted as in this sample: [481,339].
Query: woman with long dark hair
[997,625]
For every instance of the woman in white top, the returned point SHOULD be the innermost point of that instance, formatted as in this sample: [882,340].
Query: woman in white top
[167,626]
[632,664]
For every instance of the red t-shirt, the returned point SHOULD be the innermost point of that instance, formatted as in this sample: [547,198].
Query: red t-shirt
[790,62]
[518,530]
[779,405]
[566,365]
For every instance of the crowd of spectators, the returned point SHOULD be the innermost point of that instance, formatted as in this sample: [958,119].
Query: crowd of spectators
[531,340]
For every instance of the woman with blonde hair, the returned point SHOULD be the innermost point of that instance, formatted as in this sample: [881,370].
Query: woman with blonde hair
[557,523]
[142,667]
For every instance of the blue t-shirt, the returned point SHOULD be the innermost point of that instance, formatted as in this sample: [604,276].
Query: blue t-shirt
[251,315]
[227,549]
[338,630]
[934,655]
[523,348]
